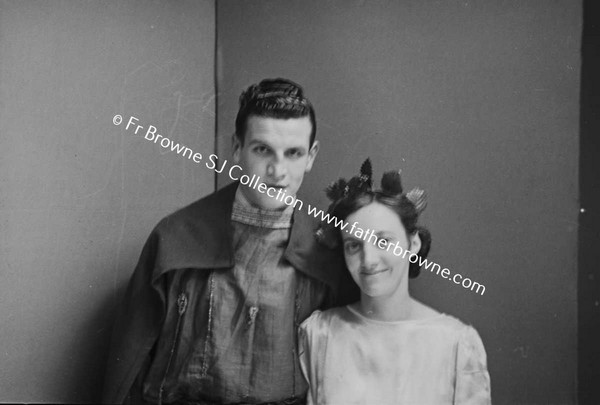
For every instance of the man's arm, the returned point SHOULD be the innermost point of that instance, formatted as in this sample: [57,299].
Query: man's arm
[136,328]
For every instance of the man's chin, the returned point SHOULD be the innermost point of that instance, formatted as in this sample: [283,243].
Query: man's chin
[265,202]
[271,204]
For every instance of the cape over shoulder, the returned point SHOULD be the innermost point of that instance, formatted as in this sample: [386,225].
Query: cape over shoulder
[200,236]
[192,237]
[196,236]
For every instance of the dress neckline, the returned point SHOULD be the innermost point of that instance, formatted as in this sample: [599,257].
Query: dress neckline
[401,322]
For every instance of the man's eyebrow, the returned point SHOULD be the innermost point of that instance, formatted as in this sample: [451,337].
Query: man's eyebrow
[300,147]
[259,142]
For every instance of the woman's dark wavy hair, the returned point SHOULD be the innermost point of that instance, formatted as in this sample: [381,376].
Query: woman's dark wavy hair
[399,204]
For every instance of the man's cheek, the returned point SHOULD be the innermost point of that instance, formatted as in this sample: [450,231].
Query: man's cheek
[298,174]
[256,168]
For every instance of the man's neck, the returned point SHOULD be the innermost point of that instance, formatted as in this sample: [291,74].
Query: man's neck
[245,212]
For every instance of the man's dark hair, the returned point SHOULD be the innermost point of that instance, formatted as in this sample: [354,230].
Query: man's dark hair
[274,98]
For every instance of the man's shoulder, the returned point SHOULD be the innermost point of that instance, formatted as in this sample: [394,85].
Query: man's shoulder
[210,210]
[195,236]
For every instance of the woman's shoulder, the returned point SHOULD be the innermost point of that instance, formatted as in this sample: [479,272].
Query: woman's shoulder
[473,380]
[471,356]
[319,317]
[320,322]
[451,325]
[421,311]
[465,337]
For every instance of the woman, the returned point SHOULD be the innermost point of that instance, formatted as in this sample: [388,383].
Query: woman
[388,348]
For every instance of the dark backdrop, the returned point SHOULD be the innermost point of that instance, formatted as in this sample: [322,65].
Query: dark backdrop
[478,103]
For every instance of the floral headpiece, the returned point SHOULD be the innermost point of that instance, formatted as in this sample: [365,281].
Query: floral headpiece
[342,190]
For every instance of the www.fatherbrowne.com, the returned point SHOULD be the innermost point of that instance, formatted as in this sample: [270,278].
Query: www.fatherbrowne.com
[254,182]
[370,237]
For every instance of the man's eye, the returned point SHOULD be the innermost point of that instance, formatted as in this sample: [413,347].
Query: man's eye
[295,153]
[261,150]
[351,247]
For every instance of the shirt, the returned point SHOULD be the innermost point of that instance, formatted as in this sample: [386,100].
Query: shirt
[239,323]
[255,338]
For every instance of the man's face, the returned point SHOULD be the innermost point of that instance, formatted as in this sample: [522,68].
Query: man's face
[278,151]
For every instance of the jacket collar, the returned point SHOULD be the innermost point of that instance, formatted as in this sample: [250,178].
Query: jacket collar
[201,236]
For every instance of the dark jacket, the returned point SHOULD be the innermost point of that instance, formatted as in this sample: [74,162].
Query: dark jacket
[198,236]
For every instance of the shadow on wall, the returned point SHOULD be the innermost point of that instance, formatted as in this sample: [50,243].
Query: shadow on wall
[91,348]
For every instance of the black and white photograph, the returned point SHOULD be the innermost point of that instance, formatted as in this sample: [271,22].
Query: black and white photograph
[299,202]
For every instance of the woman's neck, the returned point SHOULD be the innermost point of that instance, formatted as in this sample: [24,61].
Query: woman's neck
[396,307]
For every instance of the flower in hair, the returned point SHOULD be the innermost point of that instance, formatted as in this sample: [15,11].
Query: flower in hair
[357,184]
[342,190]
[366,173]
[391,183]
[337,190]
[418,197]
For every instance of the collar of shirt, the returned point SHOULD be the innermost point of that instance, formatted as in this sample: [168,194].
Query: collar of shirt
[246,213]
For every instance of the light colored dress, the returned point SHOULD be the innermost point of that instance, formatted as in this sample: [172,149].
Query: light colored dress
[350,359]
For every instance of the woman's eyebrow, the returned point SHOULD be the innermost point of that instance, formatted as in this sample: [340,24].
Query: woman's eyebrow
[351,237]
[385,233]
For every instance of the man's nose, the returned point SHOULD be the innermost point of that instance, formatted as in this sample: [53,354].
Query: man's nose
[276,169]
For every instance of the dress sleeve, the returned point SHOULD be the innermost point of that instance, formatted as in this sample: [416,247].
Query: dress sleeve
[304,353]
[472,377]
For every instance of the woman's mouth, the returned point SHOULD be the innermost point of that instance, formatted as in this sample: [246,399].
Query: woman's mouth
[372,272]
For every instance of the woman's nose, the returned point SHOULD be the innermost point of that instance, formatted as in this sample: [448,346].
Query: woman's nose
[369,255]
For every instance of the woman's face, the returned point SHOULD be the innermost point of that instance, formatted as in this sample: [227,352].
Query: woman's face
[373,266]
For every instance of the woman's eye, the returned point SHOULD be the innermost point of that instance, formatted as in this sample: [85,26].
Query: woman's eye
[387,241]
[351,247]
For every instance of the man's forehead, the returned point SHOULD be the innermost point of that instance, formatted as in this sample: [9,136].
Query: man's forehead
[279,132]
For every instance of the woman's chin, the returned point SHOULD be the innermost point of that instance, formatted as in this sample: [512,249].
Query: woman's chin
[375,288]
[377,284]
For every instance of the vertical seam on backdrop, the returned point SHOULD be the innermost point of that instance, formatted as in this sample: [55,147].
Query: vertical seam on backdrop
[216,88]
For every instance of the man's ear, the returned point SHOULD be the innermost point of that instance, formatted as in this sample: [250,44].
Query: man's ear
[236,148]
[415,243]
[312,154]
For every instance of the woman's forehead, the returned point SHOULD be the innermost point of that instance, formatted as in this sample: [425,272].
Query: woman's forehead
[376,217]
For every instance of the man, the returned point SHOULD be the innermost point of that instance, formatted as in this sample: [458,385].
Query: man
[211,312]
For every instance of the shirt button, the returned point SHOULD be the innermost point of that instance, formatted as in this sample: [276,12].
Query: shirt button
[252,312]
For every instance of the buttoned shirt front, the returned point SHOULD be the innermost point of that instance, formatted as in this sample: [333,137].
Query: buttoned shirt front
[165,317]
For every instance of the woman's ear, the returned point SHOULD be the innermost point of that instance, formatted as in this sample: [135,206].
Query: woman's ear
[415,242]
